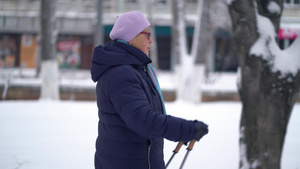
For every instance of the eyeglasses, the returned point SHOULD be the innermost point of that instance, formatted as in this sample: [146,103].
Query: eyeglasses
[148,34]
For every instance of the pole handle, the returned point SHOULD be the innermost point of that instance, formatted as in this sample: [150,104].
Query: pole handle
[191,145]
[179,145]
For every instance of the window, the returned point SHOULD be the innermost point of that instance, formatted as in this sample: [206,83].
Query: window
[292,2]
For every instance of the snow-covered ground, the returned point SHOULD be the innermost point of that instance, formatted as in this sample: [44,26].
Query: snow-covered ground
[61,135]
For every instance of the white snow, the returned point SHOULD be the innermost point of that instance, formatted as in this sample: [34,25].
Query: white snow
[243,154]
[61,134]
[267,33]
[273,8]
[239,78]
[243,150]
[285,61]
[50,80]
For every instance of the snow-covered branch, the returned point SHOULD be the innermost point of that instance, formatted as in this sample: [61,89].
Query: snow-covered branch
[285,61]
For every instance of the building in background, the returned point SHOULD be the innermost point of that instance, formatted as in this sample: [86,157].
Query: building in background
[76,19]
[290,23]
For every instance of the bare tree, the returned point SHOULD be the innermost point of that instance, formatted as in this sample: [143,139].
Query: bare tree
[175,52]
[268,88]
[49,65]
[153,50]
[189,74]
[214,17]
[205,35]
[99,33]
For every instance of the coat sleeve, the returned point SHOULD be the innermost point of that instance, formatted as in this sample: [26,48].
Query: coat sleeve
[130,101]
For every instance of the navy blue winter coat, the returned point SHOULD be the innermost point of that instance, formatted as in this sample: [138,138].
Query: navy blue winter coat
[131,122]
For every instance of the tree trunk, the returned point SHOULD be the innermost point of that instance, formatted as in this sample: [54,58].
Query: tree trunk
[153,50]
[203,49]
[49,66]
[175,42]
[189,75]
[99,33]
[267,96]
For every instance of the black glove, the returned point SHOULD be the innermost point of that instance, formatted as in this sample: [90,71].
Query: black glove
[201,130]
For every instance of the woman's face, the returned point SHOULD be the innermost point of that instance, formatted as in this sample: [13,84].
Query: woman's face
[142,41]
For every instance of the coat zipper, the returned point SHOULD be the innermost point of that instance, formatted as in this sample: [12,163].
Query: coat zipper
[149,150]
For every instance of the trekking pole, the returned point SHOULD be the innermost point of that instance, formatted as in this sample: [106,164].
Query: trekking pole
[189,149]
[175,152]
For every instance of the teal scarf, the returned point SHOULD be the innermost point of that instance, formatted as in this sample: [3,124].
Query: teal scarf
[153,77]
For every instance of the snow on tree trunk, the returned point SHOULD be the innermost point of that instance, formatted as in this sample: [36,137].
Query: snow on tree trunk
[49,67]
[269,83]
[50,80]
[188,74]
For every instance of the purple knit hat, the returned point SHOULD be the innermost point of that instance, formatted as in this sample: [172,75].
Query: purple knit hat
[128,26]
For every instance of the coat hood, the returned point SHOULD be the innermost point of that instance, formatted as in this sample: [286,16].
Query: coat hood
[116,54]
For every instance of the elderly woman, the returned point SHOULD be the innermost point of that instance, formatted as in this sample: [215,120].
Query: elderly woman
[132,116]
